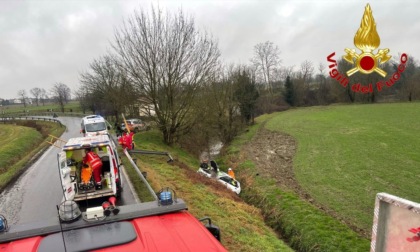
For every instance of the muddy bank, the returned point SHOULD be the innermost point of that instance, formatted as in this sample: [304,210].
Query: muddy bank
[272,153]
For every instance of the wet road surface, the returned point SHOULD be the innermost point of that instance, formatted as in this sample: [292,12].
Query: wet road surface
[34,196]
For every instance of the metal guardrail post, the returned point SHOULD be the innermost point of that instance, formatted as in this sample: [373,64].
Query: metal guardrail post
[140,175]
[9,119]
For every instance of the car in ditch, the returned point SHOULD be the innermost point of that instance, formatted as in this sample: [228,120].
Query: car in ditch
[213,172]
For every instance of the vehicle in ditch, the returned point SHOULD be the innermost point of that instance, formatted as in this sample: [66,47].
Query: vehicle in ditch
[213,172]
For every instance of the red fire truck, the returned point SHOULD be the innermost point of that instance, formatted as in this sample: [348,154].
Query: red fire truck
[150,226]
[163,224]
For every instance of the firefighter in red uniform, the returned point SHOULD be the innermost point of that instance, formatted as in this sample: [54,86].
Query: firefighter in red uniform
[129,140]
[95,162]
[126,140]
[121,140]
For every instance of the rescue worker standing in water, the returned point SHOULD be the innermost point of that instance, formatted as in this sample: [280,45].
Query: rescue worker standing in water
[95,162]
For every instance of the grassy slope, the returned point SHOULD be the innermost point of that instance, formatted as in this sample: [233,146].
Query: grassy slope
[305,227]
[347,154]
[18,145]
[14,142]
[242,225]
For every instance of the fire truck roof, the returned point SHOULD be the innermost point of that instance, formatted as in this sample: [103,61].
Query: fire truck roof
[140,227]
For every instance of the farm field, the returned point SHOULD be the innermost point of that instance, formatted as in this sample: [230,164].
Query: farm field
[347,154]
[73,106]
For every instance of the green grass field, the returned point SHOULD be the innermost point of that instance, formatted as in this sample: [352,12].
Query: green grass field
[73,106]
[348,154]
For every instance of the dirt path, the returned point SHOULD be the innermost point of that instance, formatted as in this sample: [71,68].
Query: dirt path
[273,152]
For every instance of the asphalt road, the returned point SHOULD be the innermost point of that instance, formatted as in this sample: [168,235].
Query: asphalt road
[34,196]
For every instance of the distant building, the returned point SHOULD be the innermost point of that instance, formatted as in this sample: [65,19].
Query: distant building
[146,110]
[28,100]
[19,101]
[142,107]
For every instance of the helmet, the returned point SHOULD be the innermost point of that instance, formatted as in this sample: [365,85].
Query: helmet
[229,169]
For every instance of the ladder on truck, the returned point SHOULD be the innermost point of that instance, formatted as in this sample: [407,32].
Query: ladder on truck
[55,141]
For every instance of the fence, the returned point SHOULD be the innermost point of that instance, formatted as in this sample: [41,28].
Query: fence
[37,113]
[6,120]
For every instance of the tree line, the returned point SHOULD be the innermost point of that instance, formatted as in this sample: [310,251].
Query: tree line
[161,64]
[59,93]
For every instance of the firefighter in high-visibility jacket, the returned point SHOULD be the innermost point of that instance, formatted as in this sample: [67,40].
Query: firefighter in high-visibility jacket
[231,173]
[95,162]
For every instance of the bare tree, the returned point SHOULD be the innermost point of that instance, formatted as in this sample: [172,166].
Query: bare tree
[23,96]
[218,121]
[36,92]
[82,95]
[266,59]
[411,88]
[167,59]
[342,67]
[106,88]
[224,109]
[306,70]
[43,96]
[306,73]
[288,71]
[323,89]
[61,94]
[408,80]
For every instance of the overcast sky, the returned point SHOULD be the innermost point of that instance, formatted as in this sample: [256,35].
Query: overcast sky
[44,42]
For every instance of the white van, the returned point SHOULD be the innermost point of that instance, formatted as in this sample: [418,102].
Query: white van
[94,125]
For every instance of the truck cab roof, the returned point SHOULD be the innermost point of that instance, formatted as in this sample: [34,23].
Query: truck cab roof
[139,227]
